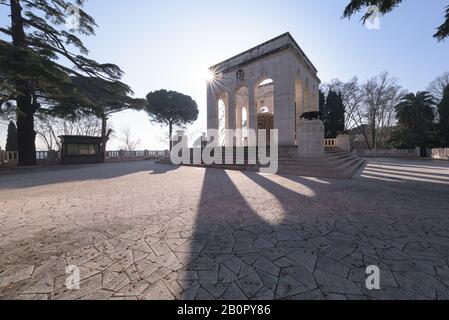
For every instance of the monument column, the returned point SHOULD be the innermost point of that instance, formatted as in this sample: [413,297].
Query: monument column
[230,117]
[252,109]
[284,109]
[230,111]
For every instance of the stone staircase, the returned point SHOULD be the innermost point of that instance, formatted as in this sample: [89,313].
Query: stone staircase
[333,165]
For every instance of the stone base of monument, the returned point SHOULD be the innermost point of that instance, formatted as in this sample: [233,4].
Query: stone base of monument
[310,139]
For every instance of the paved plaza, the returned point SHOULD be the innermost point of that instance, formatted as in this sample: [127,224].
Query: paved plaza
[141,230]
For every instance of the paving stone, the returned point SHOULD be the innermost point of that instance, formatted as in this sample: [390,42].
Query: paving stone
[191,246]
[225,275]
[334,284]
[42,286]
[261,243]
[190,293]
[160,273]
[334,297]
[203,263]
[246,270]
[15,275]
[146,268]
[207,277]
[202,294]
[233,292]
[234,264]
[133,289]
[216,289]
[289,286]
[157,291]
[188,275]
[305,258]
[331,266]
[265,265]
[309,295]
[169,261]
[249,257]
[269,281]
[30,297]
[301,275]
[224,230]
[117,283]
[265,294]
[284,262]
[250,285]
[101,262]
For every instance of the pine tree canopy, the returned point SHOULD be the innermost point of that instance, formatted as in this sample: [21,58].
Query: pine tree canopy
[42,54]
[44,64]
[386,6]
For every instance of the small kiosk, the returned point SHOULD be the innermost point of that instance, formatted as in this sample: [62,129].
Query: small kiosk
[80,149]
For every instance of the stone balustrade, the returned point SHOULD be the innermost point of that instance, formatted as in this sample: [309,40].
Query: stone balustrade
[330,143]
[440,154]
[45,158]
[411,153]
[9,159]
[123,155]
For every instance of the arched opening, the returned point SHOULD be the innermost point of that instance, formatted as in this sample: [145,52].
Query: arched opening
[245,126]
[221,122]
[264,98]
[242,103]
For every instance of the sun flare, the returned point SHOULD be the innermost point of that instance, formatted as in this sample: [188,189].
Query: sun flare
[209,75]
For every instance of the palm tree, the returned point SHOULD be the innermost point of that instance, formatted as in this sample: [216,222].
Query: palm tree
[416,120]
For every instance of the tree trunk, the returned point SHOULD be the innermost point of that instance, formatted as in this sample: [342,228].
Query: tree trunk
[26,135]
[104,136]
[26,107]
[373,135]
[170,135]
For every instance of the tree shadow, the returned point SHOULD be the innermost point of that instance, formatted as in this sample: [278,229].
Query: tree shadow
[162,168]
[33,177]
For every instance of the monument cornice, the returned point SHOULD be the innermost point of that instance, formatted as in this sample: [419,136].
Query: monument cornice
[271,47]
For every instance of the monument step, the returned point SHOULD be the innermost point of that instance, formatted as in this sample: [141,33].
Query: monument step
[333,165]
[347,173]
[323,162]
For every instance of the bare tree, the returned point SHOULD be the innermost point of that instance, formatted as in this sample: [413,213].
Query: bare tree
[126,137]
[437,86]
[352,97]
[48,129]
[369,107]
[382,93]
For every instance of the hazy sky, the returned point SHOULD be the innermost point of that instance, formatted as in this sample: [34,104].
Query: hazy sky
[169,44]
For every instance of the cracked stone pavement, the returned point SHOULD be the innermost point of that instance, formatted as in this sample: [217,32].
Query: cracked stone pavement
[140,230]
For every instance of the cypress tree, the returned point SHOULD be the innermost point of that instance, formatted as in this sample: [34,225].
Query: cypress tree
[334,115]
[443,128]
[11,140]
